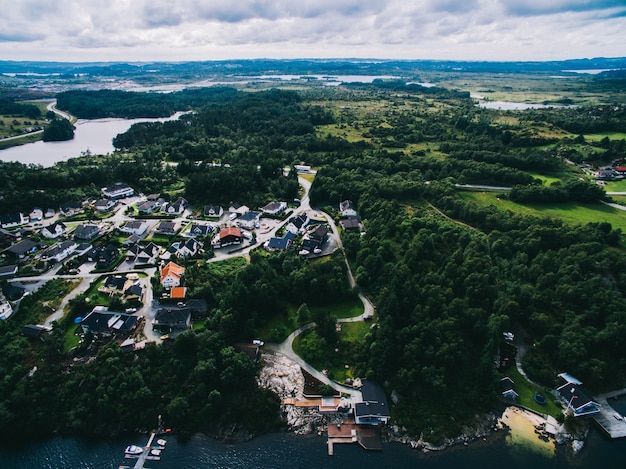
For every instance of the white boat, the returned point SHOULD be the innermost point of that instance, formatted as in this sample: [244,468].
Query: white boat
[155,452]
[133,450]
[161,442]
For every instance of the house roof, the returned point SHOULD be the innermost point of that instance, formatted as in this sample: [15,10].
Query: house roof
[346,205]
[273,206]
[98,320]
[171,268]
[230,231]
[24,246]
[320,232]
[213,210]
[86,231]
[134,225]
[178,293]
[279,243]
[116,281]
[134,290]
[299,221]
[33,331]
[351,223]
[507,385]
[167,226]
[172,316]
[7,270]
[249,216]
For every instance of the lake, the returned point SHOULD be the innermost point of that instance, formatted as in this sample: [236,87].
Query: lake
[290,451]
[93,136]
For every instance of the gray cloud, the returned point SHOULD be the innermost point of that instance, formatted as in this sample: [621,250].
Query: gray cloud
[200,29]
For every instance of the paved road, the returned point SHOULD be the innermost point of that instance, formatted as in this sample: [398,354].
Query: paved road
[51,107]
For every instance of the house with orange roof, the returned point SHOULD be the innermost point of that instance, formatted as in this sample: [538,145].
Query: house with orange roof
[178,293]
[171,275]
[227,236]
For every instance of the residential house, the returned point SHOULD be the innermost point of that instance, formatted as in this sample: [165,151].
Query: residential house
[171,275]
[248,220]
[103,257]
[34,331]
[178,293]
[189,248]
[175,208]
[213,211]
[238,210]
[23,248]
[282,243]
[59,251]
[83,248]
[12,219]
[71,208]
[131,240]
[144,255]
[35,215]
[133,292]
[167,228]
[347,209]
[374,409]
[576,398]
[136,227]
[54,231]
[7,271]
[102,322]
[604,174]
[350,224]
[274,208]
[49,213]
[6,310]
[309,246]
[621,170]
[114,285]
[227,236]
[104,205]
[149,206]
[319,234]
[172,318]
[507,388]
[198,231]
[119,190]
[13,292]
[86,232]
[298,224]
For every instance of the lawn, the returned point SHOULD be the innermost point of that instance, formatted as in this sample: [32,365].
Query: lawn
[571,213]
[527,390]
[71,338]
[345,309]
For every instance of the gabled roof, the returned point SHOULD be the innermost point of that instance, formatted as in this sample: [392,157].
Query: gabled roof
[178,293]
[320,232]
[172,316]
[173,269]
[213,210]
[279,243]
[86,231]
[24,246]
[299,221]
[230,231]
[249,216]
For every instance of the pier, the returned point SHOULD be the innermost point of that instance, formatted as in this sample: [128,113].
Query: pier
[146,451]
[609,419]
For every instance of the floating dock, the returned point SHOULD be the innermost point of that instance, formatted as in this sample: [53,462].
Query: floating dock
[609,419]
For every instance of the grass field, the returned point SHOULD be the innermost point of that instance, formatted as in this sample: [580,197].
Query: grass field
[570,213]
[527,390]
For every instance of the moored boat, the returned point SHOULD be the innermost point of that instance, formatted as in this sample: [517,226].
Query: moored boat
[133,450]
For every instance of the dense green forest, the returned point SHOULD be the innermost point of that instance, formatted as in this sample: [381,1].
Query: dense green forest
[447,276]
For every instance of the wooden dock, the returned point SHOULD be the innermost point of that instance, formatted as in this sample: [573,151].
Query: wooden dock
[146,451]
[609,419]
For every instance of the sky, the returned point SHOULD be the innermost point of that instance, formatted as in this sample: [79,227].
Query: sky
[185,30]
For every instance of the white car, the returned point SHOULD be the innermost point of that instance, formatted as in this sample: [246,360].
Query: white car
[258,342]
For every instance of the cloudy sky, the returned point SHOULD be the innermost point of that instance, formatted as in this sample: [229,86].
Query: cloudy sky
[147,30]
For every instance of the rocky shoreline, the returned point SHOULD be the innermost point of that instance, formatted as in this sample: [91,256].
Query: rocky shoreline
[285,378]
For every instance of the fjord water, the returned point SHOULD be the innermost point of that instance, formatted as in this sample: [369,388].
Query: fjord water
[289,451]
[93,136]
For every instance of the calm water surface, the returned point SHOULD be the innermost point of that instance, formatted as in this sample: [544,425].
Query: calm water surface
[288,451]
[93,136]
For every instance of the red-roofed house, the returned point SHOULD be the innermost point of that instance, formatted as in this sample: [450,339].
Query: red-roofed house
[227,236]
[171,275]
[178,293]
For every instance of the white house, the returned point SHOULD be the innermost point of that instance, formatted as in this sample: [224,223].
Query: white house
[347,209]
[136,227]
[54,231]
[104,205]
[248,220]
[59,251]
[297,225]
[119,190]
[35,215]
[5,310]
[171,275]
[189,248]
[274,208]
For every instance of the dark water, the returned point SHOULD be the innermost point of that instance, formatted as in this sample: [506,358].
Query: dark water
[290,451]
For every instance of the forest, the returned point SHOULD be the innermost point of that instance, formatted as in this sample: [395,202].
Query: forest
[448,277]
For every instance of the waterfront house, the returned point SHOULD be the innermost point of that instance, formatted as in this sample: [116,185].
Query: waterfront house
[119,190]
[374,409]
[54,230]
[576,398]
[507,388]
